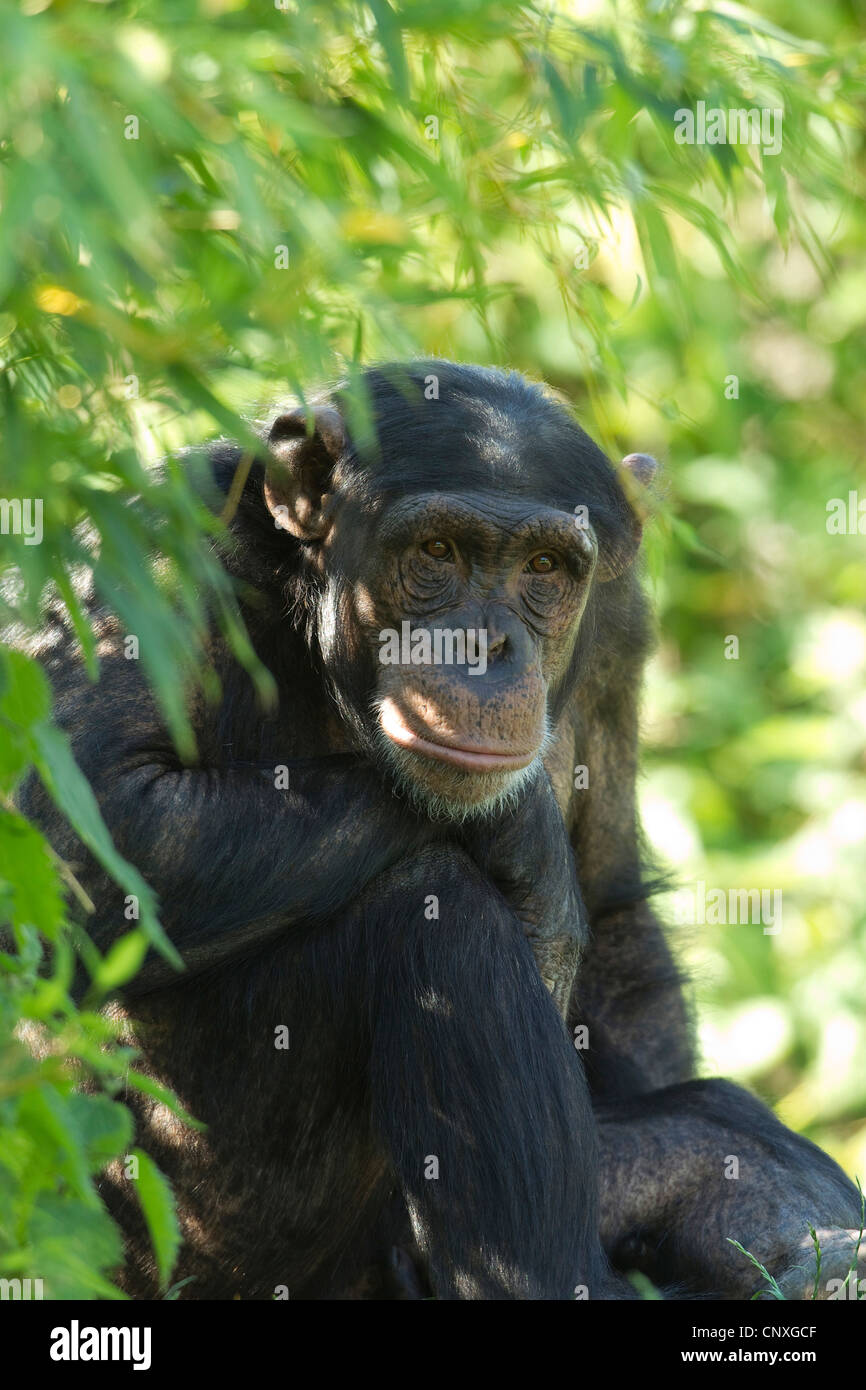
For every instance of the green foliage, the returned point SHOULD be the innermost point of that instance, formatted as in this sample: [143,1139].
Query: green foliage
[54,1139]
[772,1287]
[158,1207]
[208,204]
[849,1287]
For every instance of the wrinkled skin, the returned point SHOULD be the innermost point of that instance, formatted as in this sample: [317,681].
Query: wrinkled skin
[432,906]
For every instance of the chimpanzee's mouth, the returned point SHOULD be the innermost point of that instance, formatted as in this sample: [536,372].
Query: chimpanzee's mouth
[470,759]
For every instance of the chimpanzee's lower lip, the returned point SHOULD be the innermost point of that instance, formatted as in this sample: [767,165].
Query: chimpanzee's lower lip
[471,759]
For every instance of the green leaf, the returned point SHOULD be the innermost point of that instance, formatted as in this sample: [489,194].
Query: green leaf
[72,1244]
[120,962]
[71,792]
[35,898]
[391,39]
[25,699]
[103,1126]
[140,1081]
[157,1204]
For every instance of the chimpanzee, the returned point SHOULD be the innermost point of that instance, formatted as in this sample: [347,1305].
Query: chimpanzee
[433,1029]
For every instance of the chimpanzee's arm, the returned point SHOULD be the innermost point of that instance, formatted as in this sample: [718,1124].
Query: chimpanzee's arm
[629,991]
[233,857]
[476,1094]
[685,1165]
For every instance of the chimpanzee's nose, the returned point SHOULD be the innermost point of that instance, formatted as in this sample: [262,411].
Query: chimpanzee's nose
[509,645]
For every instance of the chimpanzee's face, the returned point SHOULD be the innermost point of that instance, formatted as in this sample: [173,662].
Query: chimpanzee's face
[468,606]
[451,565]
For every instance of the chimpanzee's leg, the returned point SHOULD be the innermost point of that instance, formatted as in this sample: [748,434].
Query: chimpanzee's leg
[424,1057]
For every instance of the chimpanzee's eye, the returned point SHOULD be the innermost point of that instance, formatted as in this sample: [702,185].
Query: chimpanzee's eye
[438,550]
[542,563]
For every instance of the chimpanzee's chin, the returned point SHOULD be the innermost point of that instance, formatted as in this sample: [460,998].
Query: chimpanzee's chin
[447,793]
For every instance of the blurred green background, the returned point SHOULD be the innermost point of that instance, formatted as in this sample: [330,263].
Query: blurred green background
[207,205]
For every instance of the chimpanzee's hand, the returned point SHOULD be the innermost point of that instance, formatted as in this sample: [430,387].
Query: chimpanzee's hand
[527,854]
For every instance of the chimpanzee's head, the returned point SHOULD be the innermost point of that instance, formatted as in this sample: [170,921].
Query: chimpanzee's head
[451,563]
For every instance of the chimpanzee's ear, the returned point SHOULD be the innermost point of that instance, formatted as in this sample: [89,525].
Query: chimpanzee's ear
[635,473]
[300,468]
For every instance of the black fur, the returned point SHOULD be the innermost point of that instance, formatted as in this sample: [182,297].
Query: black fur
[411,1037]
